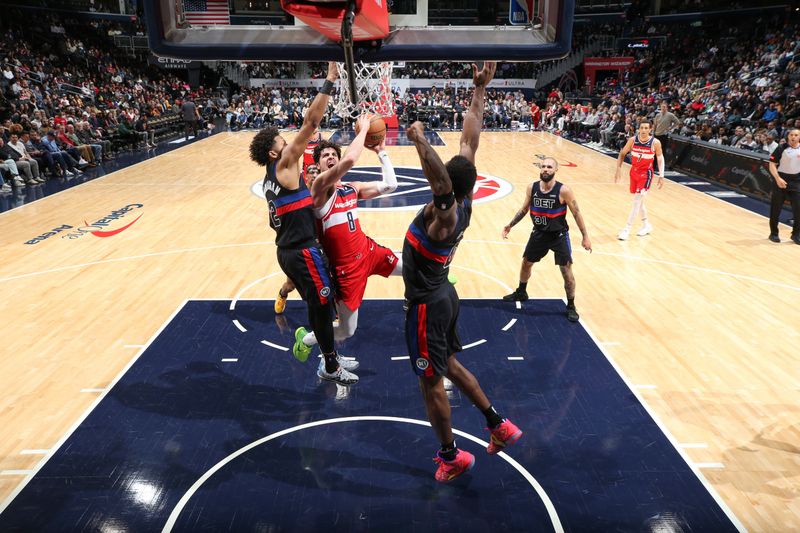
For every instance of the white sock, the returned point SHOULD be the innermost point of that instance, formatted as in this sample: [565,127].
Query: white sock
[310,339]
[638,199]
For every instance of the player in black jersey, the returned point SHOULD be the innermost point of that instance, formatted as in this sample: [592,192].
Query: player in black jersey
[291,215]
[546,201]
[428,249]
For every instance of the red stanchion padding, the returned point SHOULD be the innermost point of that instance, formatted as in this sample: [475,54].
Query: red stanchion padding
[391,121]
[371,21]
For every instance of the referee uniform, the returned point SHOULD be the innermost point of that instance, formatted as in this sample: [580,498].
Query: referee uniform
[787,160]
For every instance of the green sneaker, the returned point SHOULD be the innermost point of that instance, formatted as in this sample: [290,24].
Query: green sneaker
[301,349]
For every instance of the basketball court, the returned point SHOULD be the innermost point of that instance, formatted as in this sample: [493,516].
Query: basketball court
[149,385]
[147,382]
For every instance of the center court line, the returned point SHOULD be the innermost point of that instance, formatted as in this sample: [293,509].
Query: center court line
[701,269]
[663,262]
[130,257]
[516,358]
[401,357]
[229,360]
[279,347]
[175,514]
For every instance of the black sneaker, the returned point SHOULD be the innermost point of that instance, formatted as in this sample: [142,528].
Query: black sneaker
[774,237]
[796,239]
[572,314]
[516,296]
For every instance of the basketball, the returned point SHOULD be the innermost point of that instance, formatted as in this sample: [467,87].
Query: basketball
[376,132]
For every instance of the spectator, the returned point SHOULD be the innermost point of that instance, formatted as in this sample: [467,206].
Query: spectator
[15,144]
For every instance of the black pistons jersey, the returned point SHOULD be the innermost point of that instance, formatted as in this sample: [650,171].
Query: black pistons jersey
[291,212]
[547,211]
[425,261]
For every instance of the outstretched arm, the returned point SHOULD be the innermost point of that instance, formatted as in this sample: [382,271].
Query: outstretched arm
[294,150]
[524,210]
[372,189]
[621,158]
[443,221]
[474,116]
[321,188]
[568,197]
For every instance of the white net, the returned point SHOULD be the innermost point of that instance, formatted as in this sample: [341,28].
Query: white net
[374,86]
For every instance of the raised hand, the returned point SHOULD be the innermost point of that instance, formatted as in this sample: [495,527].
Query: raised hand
[416,131]
[378,148]
[333,71]
[362,123]
[485,75]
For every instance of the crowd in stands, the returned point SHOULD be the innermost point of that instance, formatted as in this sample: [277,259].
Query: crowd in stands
[69,99]
[73,100]
[733,84]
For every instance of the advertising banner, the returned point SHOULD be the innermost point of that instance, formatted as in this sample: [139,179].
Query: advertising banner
[747,172]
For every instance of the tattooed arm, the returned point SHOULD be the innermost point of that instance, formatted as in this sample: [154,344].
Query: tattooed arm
[526,205]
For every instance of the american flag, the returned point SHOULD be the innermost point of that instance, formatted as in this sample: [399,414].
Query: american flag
[206,12]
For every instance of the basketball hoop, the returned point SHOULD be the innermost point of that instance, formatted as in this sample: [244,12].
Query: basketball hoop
[373,86]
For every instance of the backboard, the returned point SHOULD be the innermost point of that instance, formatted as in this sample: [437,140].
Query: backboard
[420,30]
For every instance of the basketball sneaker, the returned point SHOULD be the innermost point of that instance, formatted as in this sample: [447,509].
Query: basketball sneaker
[449,470]
[340,375]
[504,434]
[572,314]
[300,350]
[646,229]
[348,363]
[280,303]
[516,296]
[623,235]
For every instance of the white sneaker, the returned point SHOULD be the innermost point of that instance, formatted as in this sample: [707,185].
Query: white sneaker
[340,376]
[67,173]
[646,229]
[623,235]
[348,363]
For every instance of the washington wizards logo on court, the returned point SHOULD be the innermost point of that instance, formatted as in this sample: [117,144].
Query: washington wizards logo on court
[413,190]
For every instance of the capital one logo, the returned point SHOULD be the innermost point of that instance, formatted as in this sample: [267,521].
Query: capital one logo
[413,190]
[101,228]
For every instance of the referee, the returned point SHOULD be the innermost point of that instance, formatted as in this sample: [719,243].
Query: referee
[784,165]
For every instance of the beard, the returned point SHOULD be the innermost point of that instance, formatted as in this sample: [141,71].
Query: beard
[546,177]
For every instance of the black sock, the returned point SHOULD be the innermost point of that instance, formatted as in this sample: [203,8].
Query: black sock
[493,418]
[330,362]
[449,451]
[570,302]
[523,286]
[280,293]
